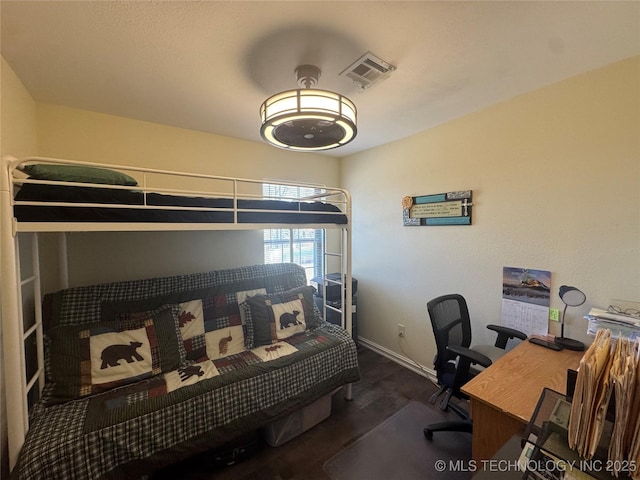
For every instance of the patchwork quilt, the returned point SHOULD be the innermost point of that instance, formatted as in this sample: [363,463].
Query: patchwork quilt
[192,400]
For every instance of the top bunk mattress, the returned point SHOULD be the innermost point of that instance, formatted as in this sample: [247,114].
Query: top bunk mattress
[89,194]
[116,205]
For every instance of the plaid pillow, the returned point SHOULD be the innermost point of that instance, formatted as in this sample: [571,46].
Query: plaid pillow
[279,316]
[215,326]
[92,358]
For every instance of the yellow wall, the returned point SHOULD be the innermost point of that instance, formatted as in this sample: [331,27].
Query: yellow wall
[17,137]
[75,134]
[78,134]
[555,176]
[17,116]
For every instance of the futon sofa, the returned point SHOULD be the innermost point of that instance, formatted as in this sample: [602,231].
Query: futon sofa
[144,373]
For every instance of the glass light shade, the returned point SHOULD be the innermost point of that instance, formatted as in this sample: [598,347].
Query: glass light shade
[308,120]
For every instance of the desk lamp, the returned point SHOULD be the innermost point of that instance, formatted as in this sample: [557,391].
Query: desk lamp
[571,297]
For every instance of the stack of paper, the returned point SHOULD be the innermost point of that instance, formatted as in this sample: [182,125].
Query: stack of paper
[632,436]
[605,371]
[623,373]
[620,325]
[591,396]
[615,317]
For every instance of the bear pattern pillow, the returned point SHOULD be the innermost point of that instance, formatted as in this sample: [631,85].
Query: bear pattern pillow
[219,307]
[92,358]
[213,327]
[279,316]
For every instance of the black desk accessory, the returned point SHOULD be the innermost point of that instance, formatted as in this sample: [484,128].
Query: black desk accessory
[545,343]
[573,297]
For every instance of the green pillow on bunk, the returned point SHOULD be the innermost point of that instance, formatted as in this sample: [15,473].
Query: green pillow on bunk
[279,316]
[78,174]
[96,357]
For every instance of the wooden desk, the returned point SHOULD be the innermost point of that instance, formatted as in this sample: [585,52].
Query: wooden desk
[504,396]
[509,453]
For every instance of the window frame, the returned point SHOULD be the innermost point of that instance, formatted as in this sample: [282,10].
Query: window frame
[291,240]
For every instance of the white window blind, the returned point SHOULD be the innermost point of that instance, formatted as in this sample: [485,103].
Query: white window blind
[303,246]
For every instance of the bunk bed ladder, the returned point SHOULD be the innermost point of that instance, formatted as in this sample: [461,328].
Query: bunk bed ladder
[22,341]
[345,308]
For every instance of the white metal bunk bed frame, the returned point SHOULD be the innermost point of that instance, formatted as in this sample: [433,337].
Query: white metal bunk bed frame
[16,384]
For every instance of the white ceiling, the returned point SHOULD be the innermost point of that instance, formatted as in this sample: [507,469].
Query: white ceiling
[208,65]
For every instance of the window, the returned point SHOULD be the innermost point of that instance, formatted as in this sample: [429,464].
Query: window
[303,246]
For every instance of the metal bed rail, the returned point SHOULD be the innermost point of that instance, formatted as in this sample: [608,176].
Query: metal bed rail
[150,181]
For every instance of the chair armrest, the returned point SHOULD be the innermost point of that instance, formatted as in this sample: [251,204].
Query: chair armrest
[504,334]
[471,355]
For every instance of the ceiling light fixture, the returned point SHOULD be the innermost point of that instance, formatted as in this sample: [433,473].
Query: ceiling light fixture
[308,119]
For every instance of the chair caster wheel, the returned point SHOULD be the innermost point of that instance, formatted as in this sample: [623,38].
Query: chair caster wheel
[428,433]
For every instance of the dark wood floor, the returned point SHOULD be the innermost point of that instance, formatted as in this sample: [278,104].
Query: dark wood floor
[385,387]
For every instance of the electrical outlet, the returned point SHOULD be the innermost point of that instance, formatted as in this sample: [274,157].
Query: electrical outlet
[401,330]
[554,314]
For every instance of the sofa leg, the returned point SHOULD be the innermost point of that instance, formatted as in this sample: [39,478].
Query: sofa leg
[348,395]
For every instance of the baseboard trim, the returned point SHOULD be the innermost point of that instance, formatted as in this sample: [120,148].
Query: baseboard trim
[399,359]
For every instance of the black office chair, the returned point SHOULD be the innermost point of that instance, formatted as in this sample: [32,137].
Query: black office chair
[455,363]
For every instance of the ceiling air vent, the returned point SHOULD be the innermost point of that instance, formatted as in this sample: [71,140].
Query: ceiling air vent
[367,71]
